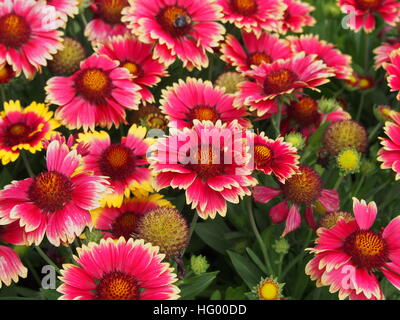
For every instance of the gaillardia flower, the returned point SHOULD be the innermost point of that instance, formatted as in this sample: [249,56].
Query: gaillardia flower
[195,99]
[150,116]
[67,61]
[107,20]
[24,129]
[393,70]
[266,48]
[166,228]
[304,188]
[333,58]
[279,78]
[55,202]
[275,157]
[252,15]
[347,255]
[122,221]
[363,12]
[137,57]
[210,161]
[97,94]
[11,267]
[269,289]
[124,163]
[382,53]
[65,8]
[6,73]
[296,16]
[186,29]
[27,38]
[229,81]
[118,270]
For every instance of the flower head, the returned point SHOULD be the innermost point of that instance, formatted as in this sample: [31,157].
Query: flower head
[393,70]
[382,53]
[329,220]
[68,60]
[199,264]
[150,116]
[296,139]
[269,289]
[6,73]
[135,272]
[296,16]
[65,8]
[229,81]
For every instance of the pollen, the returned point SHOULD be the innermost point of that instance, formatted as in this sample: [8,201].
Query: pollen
[6,73]
[262,155]
[349,161]
[133,68]
[175,20]
[269,289]
[259,57]
[204,113]
[330,220]
[110,10]
[229,81]
[304,112]
[279,81]
[124,225]
[93,84]
[67,60]
[244,7]
[117,285]
[117,162]
[14,30]
[207,161]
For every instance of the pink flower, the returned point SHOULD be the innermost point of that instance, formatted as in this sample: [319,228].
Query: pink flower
[253,15]
[97,94]
[347,255]
[333,58]
[56,202]
[363,12]
[209,161]
[11,267]
[393,70]
[118,270]
[382,53]
[65,8]
[27,39]
[107,20]
[267,48]
[279,78]
[302,189]
[196,99]
[296,16]
[137,57]
[185,29]
[275,157]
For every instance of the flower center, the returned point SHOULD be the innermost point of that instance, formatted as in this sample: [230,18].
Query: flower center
[367,249]
[304,111]
[51,191]
[14,30]
[175,20]
[204,113]
[269,290]
[93,84]
[6,73]
[156,121]
[117,162]
[244,7]
[368,4]
[258,57]
[304,187]
[133,68]
[17,133]
[262,155]
[207,161]
[118,285]
[110,10]
[279,80]
[124,225]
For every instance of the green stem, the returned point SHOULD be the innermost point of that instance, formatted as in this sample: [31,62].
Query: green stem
[258,236]
[277,121]
[33,271]
[82,14]
[192,227]
[47,259]
[361,106]
[3,94]
[374,131]
[27,164]
[338,182]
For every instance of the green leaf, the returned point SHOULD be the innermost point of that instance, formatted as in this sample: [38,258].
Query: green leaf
[212,233]
[237,293]
[250,274]
[50,294]
[192,287]
[256,260]
[216,295]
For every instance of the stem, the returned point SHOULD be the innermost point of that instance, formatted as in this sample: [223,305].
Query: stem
[82,14]
[47,259]
[361,106]
[374,131]
[338,182]
[3,93]
[258,236]
[27,164]
[192,227]
[277,122]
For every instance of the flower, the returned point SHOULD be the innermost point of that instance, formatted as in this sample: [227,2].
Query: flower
[150,116]
[137,58]
[347,255]
[345,134]
[329,220]
[97,94]
[296,139]
[265,48]
[348,161]
[281,246]
[229,81]
[185,29]
[122,221]
[382,53]
[199,264]
[252,15]
[55,202]
[275,157]
[24,129]
[107,21]
[333,58]
[269,289]
[279,78]
[363,12]
[195,99]
[304,188]
[122,163]
[68,60]
[27,39]
[296,16]
[118,270]
[6,73]
[393,71]
[389,154]
[166,228]
[11,267]
[65,8]
[210,161]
